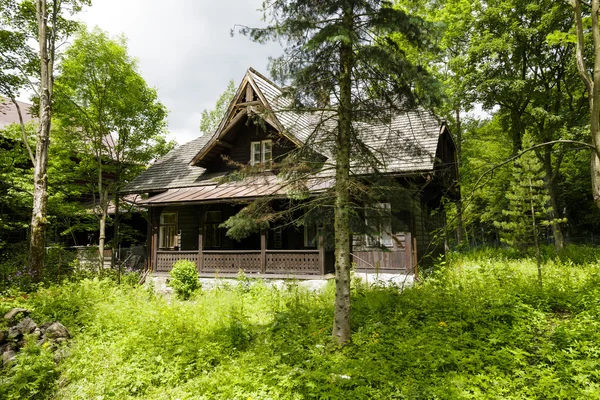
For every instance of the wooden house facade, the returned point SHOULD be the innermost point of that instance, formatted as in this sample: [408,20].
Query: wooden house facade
[189,195]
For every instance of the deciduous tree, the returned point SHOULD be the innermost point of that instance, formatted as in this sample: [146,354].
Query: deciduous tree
[117,119]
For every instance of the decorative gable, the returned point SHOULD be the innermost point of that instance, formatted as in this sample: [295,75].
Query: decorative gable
[248,100]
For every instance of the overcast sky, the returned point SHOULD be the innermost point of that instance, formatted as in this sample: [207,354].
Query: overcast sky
[185,49]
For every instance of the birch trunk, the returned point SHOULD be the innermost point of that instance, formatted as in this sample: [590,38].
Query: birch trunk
[592,85]
[37,241]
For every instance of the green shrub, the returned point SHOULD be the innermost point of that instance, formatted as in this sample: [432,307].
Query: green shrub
[184,279]
[32,375]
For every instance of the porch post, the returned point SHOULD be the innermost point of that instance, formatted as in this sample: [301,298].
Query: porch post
[321,255]
[200,255]
[416,258]
[154,220]
[263,251]
[408,253]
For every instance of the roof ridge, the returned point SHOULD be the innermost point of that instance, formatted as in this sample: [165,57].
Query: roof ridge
[269,81]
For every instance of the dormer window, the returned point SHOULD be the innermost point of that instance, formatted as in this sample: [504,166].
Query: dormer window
[261,152]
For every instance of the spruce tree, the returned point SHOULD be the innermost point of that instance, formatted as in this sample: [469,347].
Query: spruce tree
[529,212]
[341,62]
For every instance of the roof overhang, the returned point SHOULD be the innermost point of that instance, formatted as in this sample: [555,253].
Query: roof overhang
[248,189]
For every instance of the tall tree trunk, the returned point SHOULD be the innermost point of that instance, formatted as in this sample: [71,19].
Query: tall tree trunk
[592,85]
[535,235]
[37,241]
[115,243]
[550,181]
[341,319]
[102,234]
[459,205]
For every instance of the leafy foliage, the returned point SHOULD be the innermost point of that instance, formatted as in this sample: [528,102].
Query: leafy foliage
[184,279]
[528,209]
[209,122]
[478,326]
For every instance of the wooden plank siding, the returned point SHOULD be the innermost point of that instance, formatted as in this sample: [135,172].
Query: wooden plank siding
[240,138]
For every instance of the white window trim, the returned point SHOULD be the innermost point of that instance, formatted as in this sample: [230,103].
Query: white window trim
[262,143]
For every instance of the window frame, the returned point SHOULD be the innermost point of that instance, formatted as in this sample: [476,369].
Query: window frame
[214,229]
[262,144]
[308,230]
[172,233]
[379,218]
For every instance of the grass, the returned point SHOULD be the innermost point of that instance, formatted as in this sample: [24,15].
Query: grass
[477,327]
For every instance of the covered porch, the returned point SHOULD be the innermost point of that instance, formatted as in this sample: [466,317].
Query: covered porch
[193,233]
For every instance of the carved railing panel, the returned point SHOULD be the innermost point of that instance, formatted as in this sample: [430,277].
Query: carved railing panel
[231,262]
[301,262]
[166,259]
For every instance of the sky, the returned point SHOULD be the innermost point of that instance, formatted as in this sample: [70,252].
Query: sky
[185,50]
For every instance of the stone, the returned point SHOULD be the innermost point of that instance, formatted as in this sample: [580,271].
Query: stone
[8,356]
[37,332]
[55,331]
[11,315]
[26,326]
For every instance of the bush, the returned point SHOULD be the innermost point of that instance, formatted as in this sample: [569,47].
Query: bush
[184,279]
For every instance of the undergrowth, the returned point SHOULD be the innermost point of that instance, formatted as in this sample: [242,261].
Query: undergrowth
[477,327]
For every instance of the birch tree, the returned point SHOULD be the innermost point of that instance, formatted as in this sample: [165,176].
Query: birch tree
[591,79]
[47,23]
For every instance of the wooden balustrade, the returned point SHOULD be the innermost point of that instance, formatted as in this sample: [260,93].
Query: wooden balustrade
[293,262]
[166,259]
[282,262]
[231,261]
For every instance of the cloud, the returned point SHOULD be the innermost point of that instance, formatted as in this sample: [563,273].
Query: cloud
[185,49]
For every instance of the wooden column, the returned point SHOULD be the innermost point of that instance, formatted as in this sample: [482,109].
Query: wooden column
[200,246]
[154,220]
[408,264]
[263,251]
[321,255]
[415,260]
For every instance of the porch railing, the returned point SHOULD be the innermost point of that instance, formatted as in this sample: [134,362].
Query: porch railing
[281,262]
[301,262]
[166,259]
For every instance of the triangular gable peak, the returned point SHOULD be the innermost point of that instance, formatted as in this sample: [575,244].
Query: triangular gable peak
[249,99]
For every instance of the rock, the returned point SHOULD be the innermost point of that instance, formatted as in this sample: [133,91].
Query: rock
[37,332]
[8,356]
[10,316]
[26,326]
[3,337]
[56,331]
[8,346]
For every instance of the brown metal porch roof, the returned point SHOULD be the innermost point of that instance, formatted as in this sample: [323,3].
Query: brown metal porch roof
[250,188]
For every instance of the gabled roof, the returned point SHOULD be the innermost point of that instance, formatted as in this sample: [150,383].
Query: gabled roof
[268,102]
[405,144]
[171,171]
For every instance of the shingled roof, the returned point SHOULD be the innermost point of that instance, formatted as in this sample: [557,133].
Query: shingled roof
[406,143]
[172,170]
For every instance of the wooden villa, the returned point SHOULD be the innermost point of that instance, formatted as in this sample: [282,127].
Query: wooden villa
[188,199]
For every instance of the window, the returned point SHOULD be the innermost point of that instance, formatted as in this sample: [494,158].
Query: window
[261,152]
[311,235]
[167,235]
[278,238]
[212,232]
[378,219]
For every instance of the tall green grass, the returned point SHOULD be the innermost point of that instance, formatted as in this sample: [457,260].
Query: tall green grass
[478,327]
